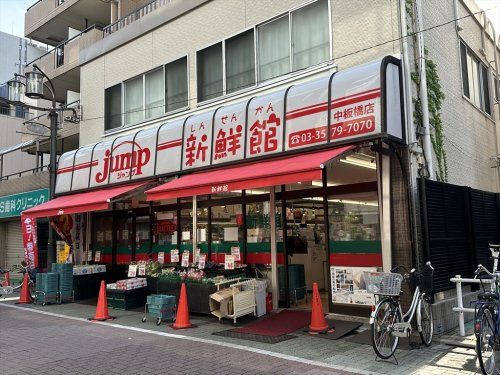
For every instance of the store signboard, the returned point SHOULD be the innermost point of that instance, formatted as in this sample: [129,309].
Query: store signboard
[359,103]
[13,205]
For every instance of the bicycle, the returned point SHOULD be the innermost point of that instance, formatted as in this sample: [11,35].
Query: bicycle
[387,321]
[487,317]
[23,269]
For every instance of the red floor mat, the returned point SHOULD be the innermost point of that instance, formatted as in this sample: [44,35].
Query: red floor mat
[286,321]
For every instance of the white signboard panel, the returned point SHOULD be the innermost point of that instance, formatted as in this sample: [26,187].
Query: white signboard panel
[144,148]
[265,124]
[81,170]
[169,147]
[229,133]
[64,172]
[197,143]
[307,114]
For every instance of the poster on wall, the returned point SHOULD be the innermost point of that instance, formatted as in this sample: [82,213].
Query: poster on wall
[235,252]
[348,285]
[30,243]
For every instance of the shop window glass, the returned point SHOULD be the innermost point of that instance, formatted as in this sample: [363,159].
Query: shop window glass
[134,101]
[227,230]
[240,62]
[165,234]
[176,85]
[154,93]
[354,238]
[113,107]
[209,63]
[102,239]
[124,233]
[353,168]
[142,238]
[310,33]
[258,233]
[186,230]
[202,226]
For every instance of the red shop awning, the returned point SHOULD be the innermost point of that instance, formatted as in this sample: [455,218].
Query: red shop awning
[82,202]
[285,170]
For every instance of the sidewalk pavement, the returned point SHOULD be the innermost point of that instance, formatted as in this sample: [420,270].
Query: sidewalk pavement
[440,358]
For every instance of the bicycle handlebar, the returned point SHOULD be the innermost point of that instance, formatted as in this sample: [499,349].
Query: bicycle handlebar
[481,268]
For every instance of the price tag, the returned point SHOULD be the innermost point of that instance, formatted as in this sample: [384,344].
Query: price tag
[142,270]
[235,251]
[196,255]
[89,255]
[97,257]
[185,259]
[132,270]
[174,255]
[229,262]
[201,261]
[161,257]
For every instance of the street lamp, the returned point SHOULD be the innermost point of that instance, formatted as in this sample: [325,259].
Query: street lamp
[34,86]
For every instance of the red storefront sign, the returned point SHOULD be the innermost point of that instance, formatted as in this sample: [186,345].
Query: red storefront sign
[30,243]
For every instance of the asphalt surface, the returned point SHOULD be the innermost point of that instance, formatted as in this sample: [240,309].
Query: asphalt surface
[33,343]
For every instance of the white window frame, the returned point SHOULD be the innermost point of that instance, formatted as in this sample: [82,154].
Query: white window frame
[258,81]
[471,55]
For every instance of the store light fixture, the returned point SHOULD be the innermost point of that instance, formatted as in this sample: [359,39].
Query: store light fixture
[344,201]
[360,162]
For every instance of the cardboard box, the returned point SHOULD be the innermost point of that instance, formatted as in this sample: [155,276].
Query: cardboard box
[221,302]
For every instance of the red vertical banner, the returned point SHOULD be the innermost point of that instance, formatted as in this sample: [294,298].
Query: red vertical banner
[30,242]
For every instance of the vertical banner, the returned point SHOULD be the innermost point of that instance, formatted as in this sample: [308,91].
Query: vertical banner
[30,243]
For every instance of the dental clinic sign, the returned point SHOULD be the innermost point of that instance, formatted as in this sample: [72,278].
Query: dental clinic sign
[358,104]
[13,205]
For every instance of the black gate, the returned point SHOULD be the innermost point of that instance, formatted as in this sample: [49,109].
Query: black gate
[457,224]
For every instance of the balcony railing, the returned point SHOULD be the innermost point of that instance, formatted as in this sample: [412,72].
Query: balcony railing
[134,16]
[65,55]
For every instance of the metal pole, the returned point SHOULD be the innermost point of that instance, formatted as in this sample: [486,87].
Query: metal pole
[460,305]
[423,92]
[51,245]
[274,256]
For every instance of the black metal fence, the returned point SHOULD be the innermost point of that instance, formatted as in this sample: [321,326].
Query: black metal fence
[458,222]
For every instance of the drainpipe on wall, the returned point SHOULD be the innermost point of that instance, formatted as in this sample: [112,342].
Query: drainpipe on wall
[427,145]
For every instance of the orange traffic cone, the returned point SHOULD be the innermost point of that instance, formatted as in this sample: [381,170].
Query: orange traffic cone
[182,318]
[6,281]
[318,321]
[25,296]
[101,312]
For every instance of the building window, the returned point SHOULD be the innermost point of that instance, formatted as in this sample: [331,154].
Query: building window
[240,61]
[153,84]
[274,48]
[209,69]
[134,102]
[475,79]
[497,89]
[310,35]
[113,107]
[295,41]
[176,85]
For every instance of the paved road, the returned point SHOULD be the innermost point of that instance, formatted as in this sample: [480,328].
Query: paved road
[32,343]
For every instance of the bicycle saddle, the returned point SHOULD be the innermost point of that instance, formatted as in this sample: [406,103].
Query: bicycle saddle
[488,296]
[493,246]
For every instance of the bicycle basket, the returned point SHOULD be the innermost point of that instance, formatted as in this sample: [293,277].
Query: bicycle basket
[387,284]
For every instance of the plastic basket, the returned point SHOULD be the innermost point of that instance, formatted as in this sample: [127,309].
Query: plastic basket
[387,284]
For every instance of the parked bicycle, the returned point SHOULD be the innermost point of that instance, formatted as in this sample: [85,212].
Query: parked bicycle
[22,269]
[388,323]
[487,317]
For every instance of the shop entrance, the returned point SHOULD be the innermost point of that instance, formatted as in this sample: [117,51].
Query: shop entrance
[306,251]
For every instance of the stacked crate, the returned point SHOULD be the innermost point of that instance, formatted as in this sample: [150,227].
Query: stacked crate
[161,307]
[296,281]
[47,287]
[65,272]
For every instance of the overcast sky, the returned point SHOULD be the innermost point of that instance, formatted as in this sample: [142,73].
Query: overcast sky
[12,14]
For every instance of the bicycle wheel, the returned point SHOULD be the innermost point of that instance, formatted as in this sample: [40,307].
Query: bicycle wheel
[385,315]
[427,322]
[485,341]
